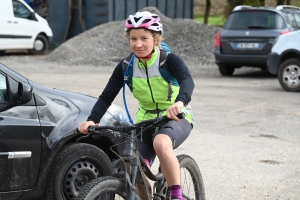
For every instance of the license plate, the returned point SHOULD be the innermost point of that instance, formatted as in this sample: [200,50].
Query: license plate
[247,45]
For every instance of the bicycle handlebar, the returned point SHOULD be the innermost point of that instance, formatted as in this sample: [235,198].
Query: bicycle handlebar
[156,122]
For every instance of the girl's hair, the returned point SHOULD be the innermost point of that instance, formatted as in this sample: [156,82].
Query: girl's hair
[156,35]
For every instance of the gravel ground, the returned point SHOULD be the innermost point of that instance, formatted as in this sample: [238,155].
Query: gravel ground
[246,138]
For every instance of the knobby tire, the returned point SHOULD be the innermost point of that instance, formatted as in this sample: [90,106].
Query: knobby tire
[191,183]
[188,163]
[104,186]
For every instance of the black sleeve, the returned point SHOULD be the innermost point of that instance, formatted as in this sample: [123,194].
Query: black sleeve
[108,95]
[181,72]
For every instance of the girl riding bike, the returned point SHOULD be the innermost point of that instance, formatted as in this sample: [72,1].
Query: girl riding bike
[156,95]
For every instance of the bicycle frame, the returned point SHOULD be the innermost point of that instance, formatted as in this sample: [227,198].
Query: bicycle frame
[134,165]
[130,167]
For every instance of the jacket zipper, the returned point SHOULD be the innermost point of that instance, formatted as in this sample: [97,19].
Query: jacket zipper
[156,104]
[149,84]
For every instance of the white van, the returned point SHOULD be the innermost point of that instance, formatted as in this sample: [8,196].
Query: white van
[22,28]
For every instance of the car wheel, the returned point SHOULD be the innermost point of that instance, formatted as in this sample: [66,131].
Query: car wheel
[40,45]
[225,70]
[289,75]
[76,165]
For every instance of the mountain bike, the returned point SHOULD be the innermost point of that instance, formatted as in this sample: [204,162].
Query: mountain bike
[128,179]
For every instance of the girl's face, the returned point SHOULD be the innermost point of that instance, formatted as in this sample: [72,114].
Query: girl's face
[141,42]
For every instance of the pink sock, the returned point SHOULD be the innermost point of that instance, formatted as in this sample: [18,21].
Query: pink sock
[146,161]
[176,192]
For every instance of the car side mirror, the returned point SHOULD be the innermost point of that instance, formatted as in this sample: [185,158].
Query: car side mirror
[32,16]
[24,93]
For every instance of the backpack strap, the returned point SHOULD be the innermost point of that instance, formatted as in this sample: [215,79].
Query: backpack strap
[128,76]
[163,68]
[126,67]
[163,58]
[126,62]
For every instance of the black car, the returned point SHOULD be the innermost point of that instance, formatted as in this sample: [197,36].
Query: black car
[39,155]
[249,33]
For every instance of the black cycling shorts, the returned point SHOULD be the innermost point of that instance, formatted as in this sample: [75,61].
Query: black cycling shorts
[177,131]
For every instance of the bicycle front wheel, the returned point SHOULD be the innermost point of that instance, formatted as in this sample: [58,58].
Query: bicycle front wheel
[190,178]
[104,188]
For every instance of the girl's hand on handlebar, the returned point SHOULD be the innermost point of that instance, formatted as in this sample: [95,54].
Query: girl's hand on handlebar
[174,110]
[83,127]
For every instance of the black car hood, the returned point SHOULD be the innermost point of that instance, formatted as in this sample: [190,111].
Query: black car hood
[71,103]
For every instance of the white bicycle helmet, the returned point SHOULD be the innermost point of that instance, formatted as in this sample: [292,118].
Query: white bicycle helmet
[144,19]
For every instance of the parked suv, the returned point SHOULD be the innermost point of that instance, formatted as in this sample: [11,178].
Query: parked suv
[249,33]
[284,61]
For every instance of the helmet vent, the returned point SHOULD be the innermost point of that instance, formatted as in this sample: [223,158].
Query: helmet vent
[136,19]
[146,21]
[155,24]
[129,22]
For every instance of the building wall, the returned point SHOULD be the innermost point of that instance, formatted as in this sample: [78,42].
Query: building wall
[217,6]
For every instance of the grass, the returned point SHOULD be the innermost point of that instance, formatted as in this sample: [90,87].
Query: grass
[213,20]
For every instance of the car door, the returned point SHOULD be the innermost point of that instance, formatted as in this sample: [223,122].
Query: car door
[20,138]
[6,30]
[24,26]
[5,34]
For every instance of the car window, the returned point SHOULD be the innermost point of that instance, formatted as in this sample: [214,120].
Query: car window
[3,89]
[254,19]
[20,10]
[297,18]
[292,20]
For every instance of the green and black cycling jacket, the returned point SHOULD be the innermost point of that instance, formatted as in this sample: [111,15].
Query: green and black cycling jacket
[149,88]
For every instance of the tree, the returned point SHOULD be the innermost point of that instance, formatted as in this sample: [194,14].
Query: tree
[283,2]
[207,10]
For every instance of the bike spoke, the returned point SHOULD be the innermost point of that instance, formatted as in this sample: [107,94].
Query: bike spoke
[187,184]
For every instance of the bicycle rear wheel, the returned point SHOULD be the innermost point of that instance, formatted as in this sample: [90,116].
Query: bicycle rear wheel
[191,181]
[104,188]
